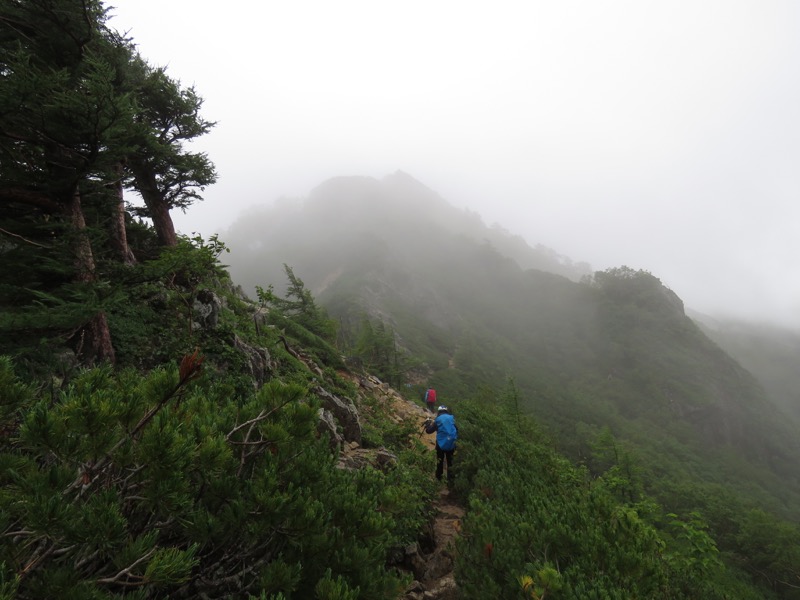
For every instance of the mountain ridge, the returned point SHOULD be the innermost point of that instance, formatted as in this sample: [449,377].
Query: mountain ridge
[164,435]
[474,314]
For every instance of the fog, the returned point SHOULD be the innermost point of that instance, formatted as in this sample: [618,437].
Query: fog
[662,136]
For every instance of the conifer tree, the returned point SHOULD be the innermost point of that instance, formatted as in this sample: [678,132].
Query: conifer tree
[82,117]
[63,126]
[164,173]
[377,349]
[300,305]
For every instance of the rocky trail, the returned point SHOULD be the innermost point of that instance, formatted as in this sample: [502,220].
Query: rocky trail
[435,579]
[431,560]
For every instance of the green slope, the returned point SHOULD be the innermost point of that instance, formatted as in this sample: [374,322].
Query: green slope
[163,437]
[611,351]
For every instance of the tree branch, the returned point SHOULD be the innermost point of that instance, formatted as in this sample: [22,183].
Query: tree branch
[24,239]
[127,571]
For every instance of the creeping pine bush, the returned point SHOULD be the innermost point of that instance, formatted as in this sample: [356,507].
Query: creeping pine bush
[166,485]
[535,523]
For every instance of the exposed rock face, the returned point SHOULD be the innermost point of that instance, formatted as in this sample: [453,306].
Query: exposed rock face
[327,424]
[259,362]
[433,567]
[439,564]
[206,308]
[344,411]
[443,589]
[260,319]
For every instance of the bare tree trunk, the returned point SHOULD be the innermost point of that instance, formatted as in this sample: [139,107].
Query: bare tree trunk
[93,339]
[119,234]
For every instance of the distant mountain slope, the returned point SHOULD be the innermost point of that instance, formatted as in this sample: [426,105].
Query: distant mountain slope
[358,219]
[772,354]
[616,351]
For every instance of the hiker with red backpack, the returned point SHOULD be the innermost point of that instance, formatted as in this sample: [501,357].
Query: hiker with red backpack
[446,435]
[430,399]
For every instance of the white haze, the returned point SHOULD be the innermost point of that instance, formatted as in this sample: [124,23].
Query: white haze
[660,135]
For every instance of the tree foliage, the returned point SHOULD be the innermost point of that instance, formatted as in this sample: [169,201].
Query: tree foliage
[377,350]
[83,117]
[165,174]
[538,527]
[299,305]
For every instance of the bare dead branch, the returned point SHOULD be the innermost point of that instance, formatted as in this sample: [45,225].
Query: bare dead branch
[24,239]
[126,572]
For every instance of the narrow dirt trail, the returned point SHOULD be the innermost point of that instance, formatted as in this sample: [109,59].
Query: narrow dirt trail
[433,569]
[432,558]
[439,579]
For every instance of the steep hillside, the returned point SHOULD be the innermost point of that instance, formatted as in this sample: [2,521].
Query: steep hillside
[220,457]
[266,462]
[770,353]
[164,436]
[614,351]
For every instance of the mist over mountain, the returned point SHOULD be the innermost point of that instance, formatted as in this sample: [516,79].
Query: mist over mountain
[348,214]
[771,353]
[163,435]
[477,306]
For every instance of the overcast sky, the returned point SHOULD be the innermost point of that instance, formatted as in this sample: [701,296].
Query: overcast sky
[660,135]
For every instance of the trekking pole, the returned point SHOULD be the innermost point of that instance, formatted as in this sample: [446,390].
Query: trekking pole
[422,430]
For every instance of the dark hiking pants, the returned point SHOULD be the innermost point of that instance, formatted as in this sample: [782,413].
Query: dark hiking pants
[441,455]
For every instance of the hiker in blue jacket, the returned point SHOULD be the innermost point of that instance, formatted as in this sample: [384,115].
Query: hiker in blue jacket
[446,435]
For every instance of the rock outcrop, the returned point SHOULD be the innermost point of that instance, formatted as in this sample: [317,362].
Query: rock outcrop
[344,411]
[205,309]
[258,360]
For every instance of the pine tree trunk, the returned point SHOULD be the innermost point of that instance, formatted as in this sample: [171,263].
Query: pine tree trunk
[83,257]
[96,337]
[157,206]
[162,221]
[119,234]
[93,339]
